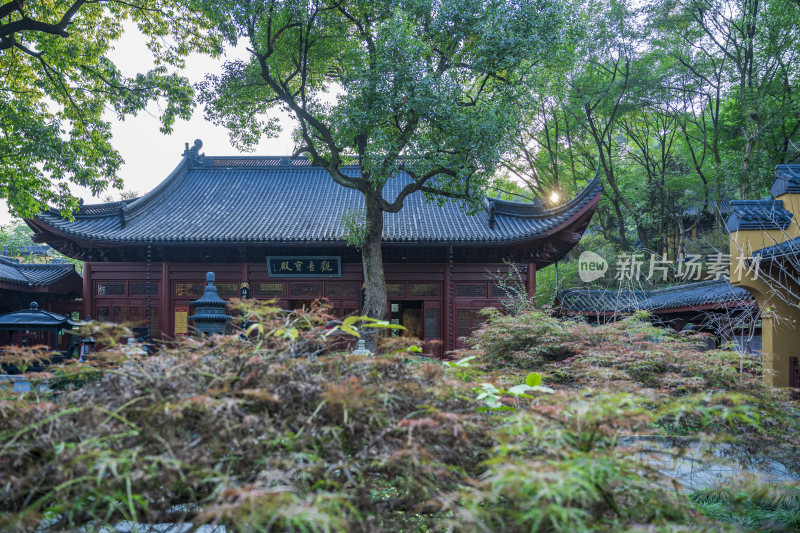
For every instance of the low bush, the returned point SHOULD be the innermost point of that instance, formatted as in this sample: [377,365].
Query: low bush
[277,432]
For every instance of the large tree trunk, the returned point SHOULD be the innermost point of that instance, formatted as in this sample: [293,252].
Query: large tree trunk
[372,260]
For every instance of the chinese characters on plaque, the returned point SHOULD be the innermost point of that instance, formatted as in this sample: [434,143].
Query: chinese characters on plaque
[308,267]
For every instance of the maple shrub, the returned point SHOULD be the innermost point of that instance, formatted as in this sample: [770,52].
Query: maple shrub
[541,425]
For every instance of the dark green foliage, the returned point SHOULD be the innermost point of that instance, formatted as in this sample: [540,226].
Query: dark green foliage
[755,506]
[264,435]
[58,87]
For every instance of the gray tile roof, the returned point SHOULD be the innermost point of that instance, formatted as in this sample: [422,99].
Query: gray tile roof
[725,209]
[787,180]
[273,200]
[703,293]
[758,214]
[790,248]
[33,275]
[26,249]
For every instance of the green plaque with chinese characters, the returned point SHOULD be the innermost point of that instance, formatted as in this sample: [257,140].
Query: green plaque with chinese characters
[304,267]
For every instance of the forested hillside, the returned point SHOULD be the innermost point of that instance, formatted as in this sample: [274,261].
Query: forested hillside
[681,105]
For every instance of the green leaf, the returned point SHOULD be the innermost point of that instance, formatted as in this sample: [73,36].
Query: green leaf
[382,324]
[463,362]
[350,321]
[533,379]
[350,330]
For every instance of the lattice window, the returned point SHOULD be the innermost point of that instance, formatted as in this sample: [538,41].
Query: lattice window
[270,290]
[139,288]
[463,322]
[349,310]
[502,291]
[103,313]
[193,290]
[432,323]
[118,314]
[136,317]
[423,289]
[107,288]
[341,290]
[227,291]
[306,290]
[471,290]
[396,289]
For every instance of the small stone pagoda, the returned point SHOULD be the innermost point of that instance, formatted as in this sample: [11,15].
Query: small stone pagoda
[209,311]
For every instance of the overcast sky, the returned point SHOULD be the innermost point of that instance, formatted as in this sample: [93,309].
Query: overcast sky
[150,155]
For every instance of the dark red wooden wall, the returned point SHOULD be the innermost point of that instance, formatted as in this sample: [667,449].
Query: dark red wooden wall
[449,294]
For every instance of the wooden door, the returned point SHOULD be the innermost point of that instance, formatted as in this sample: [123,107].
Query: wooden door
[432,312]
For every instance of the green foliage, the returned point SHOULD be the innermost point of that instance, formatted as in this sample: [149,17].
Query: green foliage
[753,505]
[546,287]
[355,227]
[511,284]
[14,237]
[506,341]
[678,104]
[280,432]
[57,83]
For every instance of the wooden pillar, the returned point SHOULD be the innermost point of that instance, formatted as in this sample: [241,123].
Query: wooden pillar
[447,305]
[164,300]
[531,282]
[88,293]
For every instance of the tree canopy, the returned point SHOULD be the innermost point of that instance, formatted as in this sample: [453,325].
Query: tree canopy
[427,91]
[682,105]
[59,89]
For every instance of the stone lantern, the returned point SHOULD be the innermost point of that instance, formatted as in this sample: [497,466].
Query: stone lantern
[209,311]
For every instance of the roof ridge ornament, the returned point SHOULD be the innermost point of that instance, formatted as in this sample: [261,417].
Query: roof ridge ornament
[193,154]
[492,214]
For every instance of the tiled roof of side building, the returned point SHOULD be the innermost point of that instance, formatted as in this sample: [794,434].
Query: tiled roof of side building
[275,199]
[26,249]
[790,248]
[33,275]
[787,180]
[725,209]
[692,295]
[598,300]
[758,214]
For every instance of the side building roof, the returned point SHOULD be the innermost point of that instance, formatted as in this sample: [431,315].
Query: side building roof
[787,180]
[703,294]
[765,214]
[769,213]
[24,276]
[786,249]
[725,208]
